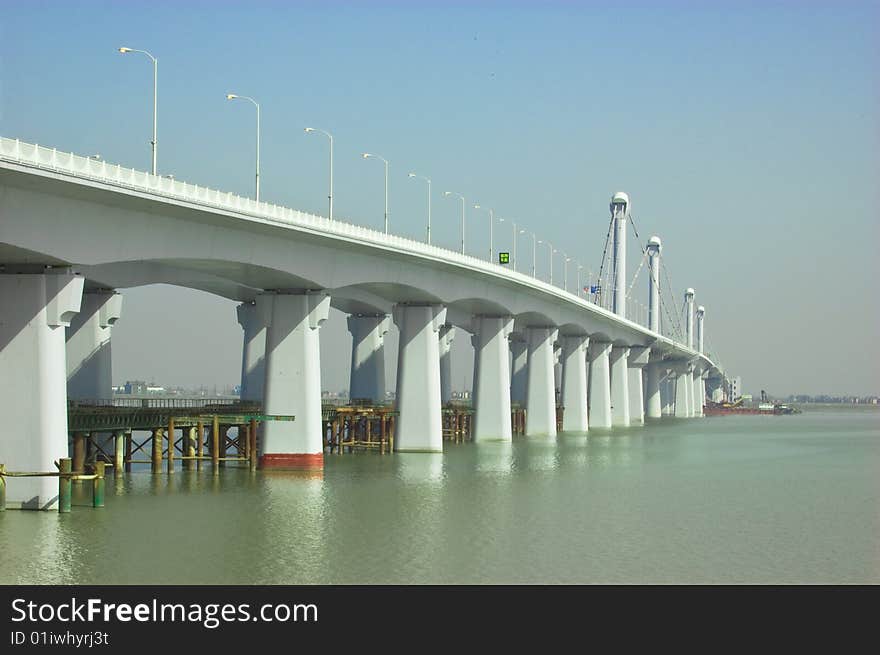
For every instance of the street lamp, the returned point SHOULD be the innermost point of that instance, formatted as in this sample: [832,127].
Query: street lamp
[461,197]
[580,268]
[367,155]
[491,228]
[154,142]
[329,136]
[233,96]
[428,180]
[565,260]
[534,256]
[549,245]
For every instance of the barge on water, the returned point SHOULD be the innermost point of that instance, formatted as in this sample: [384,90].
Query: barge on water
[722,409]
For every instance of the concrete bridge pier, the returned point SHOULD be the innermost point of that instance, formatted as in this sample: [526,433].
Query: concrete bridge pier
[89,361]
[600,384]
[667,390]
[419,427]
[691,394]
[447,335]
[574,383]
[36,307]
[638,359]
[699,392]
[253,352]
[683,381]
[557,367]
[540,390]
[519,372]
[293,378]
[475,374]
[367,379]
[653,401]
[619,386]
[492,386]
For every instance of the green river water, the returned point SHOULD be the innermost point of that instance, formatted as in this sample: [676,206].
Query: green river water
[735,499]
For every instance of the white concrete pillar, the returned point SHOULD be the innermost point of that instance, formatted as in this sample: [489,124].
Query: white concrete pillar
[620,209]
[619,386]
[540,392]
[638,359]
[253,352]
[557,367]
[419,427]
[89,360]
[492,387]
[667,392]
[691,394]
[699,392]
[519,369]
[574,383]
[701,317]
[689,317]
[447,335]
[35,309]
[653,401]
[682,385]
[600,384]
[293,379]
[475,373]
[654,248]
[367,380]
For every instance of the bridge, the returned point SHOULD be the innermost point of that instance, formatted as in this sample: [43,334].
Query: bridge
[75,230]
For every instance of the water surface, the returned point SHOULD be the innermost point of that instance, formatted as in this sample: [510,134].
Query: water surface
[735,499]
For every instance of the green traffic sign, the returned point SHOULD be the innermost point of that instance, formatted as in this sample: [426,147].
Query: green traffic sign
[503,257]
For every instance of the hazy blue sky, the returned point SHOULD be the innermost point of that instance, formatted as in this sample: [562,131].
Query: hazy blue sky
[746,134]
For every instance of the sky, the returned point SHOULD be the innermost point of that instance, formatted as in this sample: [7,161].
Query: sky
[746,134]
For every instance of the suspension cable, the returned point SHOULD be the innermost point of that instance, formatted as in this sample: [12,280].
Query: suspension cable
[636,276]
[604,253]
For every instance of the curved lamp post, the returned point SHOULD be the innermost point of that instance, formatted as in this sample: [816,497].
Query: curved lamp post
[233,96]
[461,197]
[491,229]
[154,142]
[428,180]
[329,136]
[368,155]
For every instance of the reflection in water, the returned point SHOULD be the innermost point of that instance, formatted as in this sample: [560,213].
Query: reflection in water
[620,506]
[419,467]
[494,457]
[287,529]
[537,454]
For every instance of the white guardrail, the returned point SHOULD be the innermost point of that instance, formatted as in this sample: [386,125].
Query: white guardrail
[51,159]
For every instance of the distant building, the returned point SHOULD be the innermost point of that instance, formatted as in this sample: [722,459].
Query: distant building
[135,387]
[736,389]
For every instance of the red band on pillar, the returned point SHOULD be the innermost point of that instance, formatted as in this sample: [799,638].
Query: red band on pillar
[292,462]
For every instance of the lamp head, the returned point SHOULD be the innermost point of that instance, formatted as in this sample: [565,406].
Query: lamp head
[477,207]
[366,155]
[124,50]
[231,96]
[309,129]
[410,174]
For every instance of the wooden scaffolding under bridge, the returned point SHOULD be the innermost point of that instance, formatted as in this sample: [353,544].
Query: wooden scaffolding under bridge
[359,426]
[204,435]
